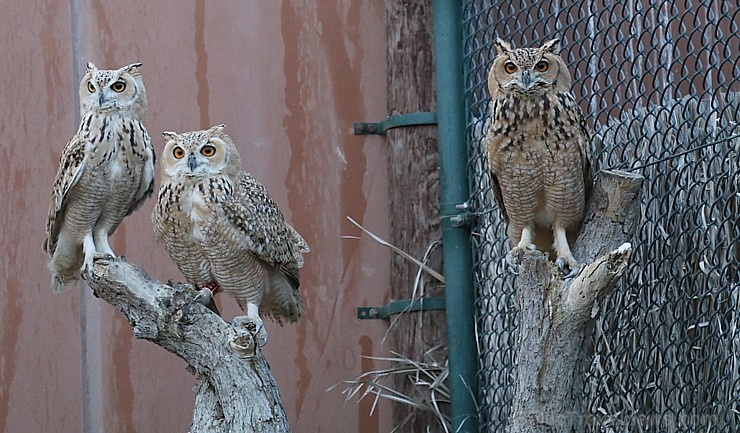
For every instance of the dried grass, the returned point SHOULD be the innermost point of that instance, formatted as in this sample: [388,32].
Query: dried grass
[427,376]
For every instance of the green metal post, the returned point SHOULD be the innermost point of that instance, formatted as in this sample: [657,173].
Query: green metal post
[458,261]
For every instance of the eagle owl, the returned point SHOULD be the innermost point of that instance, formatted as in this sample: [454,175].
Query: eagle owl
[106,171]
[537,141]
[223,230]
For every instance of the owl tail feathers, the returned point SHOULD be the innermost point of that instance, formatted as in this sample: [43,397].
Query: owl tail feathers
[65,266]
[292,312]
[282,311]
[284,301]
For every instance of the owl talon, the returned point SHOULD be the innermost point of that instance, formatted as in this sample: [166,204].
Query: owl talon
[104,256]
[97,257]
[262,335]
[203,297]
[514,257]
[87,266]
[513,263]
[254,325]
[569,267]
[243,343]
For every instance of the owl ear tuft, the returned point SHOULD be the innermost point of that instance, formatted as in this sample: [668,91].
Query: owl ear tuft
[90,67]
[132,69]
[169,136]
[502,46]
[552,46]
[217,129]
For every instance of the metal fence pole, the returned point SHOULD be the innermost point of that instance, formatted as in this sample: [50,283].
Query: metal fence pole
[458,262]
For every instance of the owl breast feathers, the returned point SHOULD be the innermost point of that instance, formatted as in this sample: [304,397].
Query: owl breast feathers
[223,230]
[106,171]
[537,141]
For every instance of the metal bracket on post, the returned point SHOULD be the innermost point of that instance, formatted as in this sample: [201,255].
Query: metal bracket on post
[395,121]
[457,215]
[403,306]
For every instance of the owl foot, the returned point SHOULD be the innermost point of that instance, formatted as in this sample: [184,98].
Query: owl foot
[513,258]
[87,264]
[565,261]
[254,325]
[568,266]
[88,248]
[86,268]
[243,343]
[205,297]
[100,240]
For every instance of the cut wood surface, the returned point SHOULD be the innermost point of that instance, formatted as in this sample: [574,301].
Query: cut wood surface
[235,391]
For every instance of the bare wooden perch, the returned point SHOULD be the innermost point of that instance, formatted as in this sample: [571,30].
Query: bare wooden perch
[556,316]
[235,391]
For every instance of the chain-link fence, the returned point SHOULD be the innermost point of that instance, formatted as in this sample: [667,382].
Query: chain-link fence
[659,82]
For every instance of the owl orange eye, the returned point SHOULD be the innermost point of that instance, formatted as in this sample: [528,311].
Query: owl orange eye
[510,67]
[90,87]
[208,151]
[178,152]
[118,86]
[542,66]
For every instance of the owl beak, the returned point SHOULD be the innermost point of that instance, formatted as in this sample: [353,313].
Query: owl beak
[526,79]
[101,98]
[192,162]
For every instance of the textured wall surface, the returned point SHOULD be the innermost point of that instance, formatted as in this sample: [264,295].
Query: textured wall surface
[288,79]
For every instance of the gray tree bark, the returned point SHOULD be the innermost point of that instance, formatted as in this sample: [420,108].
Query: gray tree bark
[235,391]
[556,316]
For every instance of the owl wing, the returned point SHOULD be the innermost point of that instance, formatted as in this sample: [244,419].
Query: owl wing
[573,111]
[495,185]
[163,210]
[146,187]
[255,217]
[71,165]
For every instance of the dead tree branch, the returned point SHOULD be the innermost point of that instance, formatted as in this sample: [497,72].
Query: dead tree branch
[235,391]
[556,316]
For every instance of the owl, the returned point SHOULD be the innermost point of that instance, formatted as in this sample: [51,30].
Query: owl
[224,231]
[106,172]
[537,144]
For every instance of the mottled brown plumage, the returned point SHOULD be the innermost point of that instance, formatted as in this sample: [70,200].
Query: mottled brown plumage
[223,230]
[106,171]
[537,142]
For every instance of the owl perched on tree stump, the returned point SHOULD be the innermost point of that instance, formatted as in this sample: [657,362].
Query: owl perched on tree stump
[223,230]
[106,171]
[537,147]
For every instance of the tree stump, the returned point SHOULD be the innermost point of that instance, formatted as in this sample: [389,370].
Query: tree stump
[557,317]
[235,391]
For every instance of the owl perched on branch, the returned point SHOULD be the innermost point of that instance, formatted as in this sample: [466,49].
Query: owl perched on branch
[223,230]
[537,147]
[106,171]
